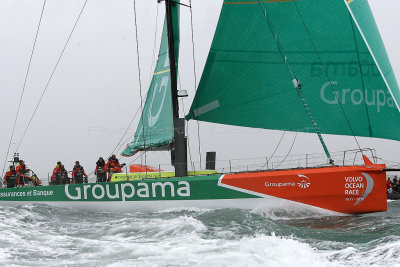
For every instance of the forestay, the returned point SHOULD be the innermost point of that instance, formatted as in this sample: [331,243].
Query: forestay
[155,129]
[334,50]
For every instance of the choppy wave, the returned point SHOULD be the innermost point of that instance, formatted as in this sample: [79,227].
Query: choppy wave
[37,235]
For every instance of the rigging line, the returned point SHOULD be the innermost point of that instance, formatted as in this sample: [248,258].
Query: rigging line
[126,131]
[154,47]
[52,74]
[121,143]
[130,124]
[140,80]
[24,85]
[295,81]
[187,124]
[327,76]
[139,156]
[187,132]
[277,146]
[290,150]
[195,77]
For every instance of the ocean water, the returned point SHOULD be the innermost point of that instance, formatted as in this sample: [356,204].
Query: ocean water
[40,235]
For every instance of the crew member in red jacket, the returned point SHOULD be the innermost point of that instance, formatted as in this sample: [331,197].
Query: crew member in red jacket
[11,172]
[21,168]
[56,170]
[389,183]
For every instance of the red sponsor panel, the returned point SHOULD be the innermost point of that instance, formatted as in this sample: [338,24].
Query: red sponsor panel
[351,190]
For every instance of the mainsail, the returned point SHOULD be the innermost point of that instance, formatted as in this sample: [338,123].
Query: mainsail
[155,129]
[333,49]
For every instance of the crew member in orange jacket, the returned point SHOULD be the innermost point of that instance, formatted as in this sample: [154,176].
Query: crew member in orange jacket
[111,163]
[112,166]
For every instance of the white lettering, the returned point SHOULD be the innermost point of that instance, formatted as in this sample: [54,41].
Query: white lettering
[185,187]
[77,197]
[381,103]
[124,194]
[162,186]
[116,195]
[344,92]
[101,190]
[144,191]
[323,95]
[370,103]
[354,179]
[360,97]
[378,98]
[85,188]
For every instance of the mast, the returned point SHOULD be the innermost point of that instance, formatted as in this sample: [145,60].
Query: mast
[179,151]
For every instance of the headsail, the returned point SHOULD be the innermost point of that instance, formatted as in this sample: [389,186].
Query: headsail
[155,129]
[246,83]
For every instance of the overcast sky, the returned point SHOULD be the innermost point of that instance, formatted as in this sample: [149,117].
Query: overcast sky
[94,93]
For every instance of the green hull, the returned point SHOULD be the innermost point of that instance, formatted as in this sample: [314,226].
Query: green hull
[188,188]
[352,190]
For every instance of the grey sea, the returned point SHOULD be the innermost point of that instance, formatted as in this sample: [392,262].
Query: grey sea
[39,235]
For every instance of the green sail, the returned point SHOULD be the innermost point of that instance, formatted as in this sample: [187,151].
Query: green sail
[155,128]
[246,81]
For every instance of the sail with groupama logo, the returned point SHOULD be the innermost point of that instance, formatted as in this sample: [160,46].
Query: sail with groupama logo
[280,64]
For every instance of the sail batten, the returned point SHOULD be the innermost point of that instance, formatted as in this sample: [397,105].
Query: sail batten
[342,81]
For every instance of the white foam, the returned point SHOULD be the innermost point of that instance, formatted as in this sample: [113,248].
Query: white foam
[46,237]
[386,254]
[188,209]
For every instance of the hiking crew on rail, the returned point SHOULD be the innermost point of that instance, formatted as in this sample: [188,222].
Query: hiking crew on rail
[18,175]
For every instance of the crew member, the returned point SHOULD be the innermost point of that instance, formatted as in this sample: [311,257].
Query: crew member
[11,172]
[389,184]
[21,171]
[36,180]
[56,170]
[99,171]
[396,187]
[112,167]
[111,163]
[63,172]
[100,164]
[21,168]
[77,173]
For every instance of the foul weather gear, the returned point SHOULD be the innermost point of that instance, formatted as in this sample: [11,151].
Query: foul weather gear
[77,174]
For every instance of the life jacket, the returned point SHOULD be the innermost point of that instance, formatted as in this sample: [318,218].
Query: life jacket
[10,173]
[78,170]
[116,169]
[21,168]
[112,163]
[100,164]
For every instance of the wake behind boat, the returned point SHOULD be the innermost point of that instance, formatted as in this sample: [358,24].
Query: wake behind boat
[272,65]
